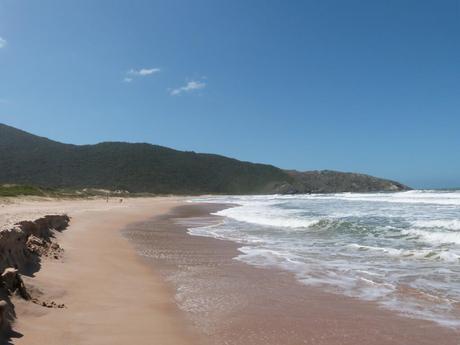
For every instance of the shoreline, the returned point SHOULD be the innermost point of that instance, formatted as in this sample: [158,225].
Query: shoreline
[111,296]
[231,302]
[131,273]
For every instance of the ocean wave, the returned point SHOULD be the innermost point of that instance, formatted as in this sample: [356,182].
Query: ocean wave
[429,254]
[451,224]
[267,257]
[261,215]
[372,246]
[434,237]
[407,197]
[410,197]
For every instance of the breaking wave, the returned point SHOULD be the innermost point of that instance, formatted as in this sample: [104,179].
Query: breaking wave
[375,246]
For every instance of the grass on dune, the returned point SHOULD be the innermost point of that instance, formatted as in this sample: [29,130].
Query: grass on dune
[20,190]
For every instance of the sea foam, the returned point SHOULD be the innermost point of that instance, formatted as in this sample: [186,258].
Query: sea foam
[375,246]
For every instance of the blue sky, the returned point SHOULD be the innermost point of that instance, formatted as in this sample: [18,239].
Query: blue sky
[365,86]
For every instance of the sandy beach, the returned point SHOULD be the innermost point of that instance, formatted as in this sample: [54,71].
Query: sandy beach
[132,274]
[111,297]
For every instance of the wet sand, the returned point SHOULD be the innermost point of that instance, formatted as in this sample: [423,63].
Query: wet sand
[230,302]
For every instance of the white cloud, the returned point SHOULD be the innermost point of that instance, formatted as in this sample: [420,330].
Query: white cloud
[143,72]
[190,86]
[2,42]
[138,73]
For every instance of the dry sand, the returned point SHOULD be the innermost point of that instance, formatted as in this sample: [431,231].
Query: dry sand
[111,297]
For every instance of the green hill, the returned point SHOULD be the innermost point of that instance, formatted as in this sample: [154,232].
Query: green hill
[32,160]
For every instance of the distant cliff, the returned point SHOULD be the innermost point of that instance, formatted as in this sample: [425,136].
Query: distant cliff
[33,160]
